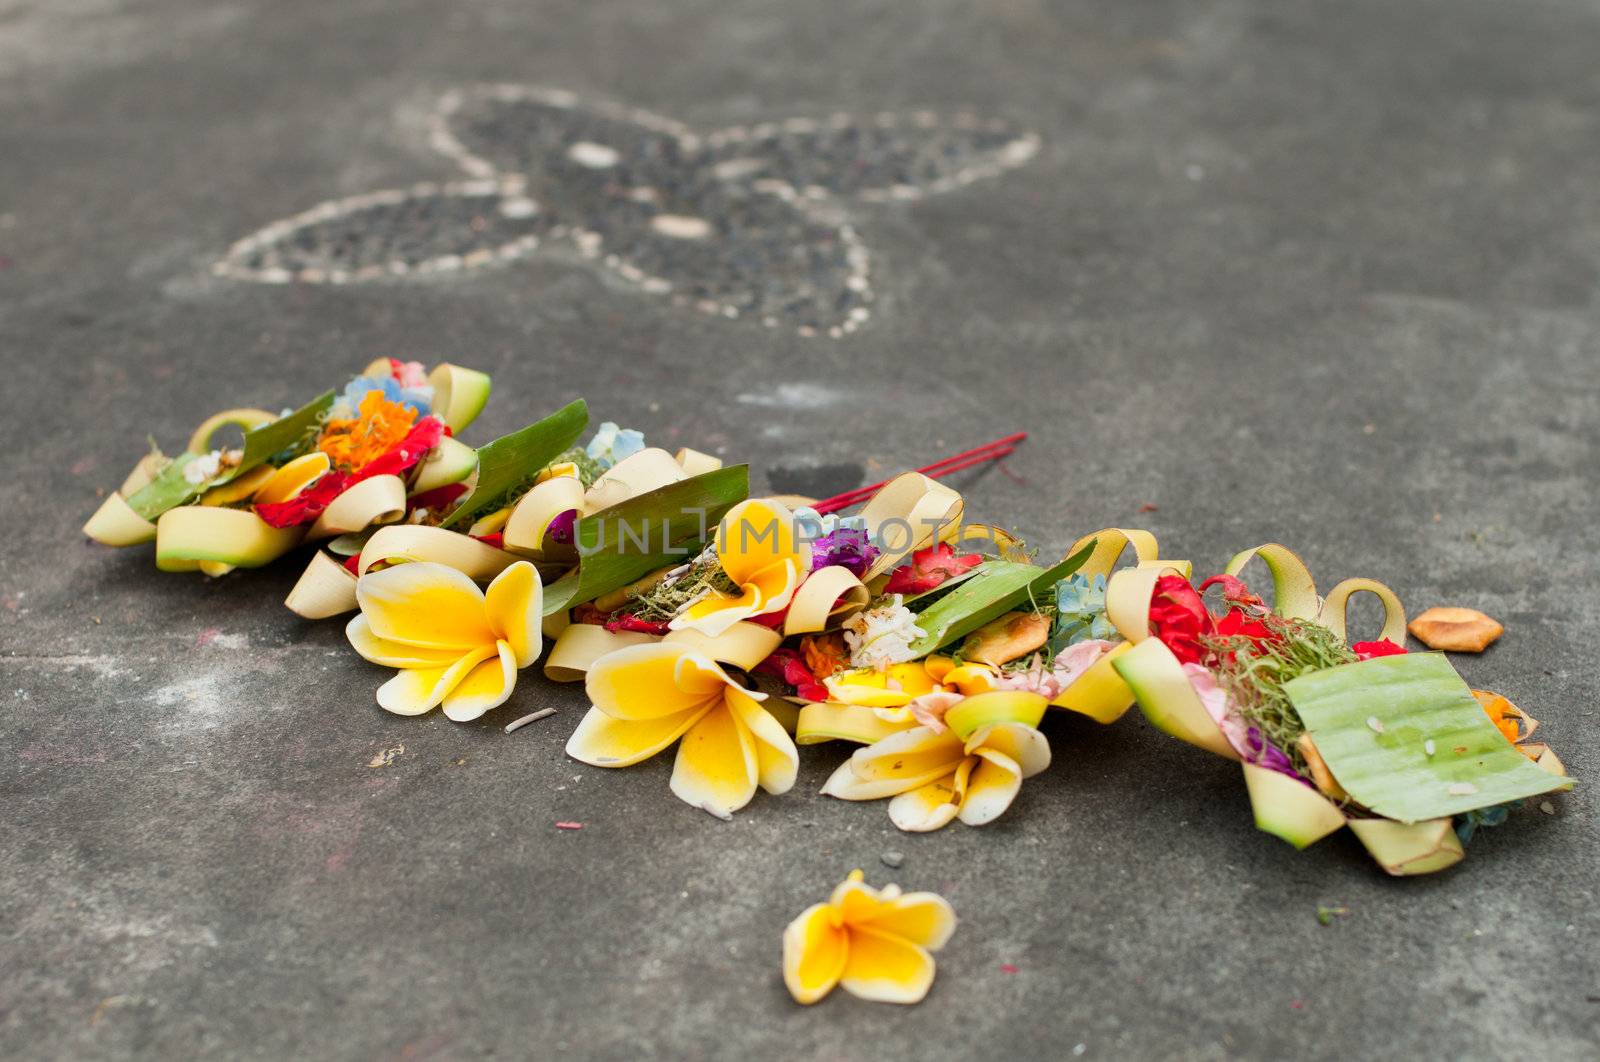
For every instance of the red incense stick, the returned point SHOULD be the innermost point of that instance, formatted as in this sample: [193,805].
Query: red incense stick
[989,451]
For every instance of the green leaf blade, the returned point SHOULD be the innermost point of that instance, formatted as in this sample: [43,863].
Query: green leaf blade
[511,459]
[995,588]
[169,489]
[1372,720]
[635,537]
[263,443]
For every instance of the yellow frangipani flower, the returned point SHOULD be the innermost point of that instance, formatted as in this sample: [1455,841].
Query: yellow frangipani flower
[891,690]
[648,696]
[453,643]
[760,549]
[875,942]
[971,768]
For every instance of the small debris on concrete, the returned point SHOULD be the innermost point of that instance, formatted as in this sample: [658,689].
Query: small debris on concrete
[1149,508]
[387,756]
[569,825]
[532,717]
[1547,807]
[1326,915]
[1007,967]
[892,859]
[1455,630]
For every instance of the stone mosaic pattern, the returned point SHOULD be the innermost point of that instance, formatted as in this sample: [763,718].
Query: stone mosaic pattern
[747,222]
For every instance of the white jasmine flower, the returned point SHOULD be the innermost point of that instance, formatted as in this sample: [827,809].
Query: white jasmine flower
[203,468]
[882,636]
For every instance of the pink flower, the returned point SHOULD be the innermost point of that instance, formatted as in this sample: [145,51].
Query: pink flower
[929,709]
[1220,708]
[408,373]
[1068,667]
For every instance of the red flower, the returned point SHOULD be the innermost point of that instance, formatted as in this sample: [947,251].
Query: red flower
[788,665]
[438,497]
[309,503]
[1241,623]
[928,569]
[626,622]
[1381,647]
[1179,618]
[587,613]
[1234,592]
[775,620]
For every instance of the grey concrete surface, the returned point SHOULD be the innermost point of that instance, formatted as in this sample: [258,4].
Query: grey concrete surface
[1317,273]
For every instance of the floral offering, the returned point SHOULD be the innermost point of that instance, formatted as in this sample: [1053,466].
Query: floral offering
[736,630]
[337,466]
[1330,733]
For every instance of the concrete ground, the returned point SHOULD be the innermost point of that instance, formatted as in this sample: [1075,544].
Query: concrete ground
[1321,274]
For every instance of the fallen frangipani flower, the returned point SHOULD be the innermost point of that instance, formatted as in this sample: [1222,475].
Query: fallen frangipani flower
[452,643]
[971,767]
[874,942]
[1392,744]
[645,697]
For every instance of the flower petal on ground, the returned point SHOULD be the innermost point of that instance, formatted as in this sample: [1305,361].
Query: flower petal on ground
[991,787]
[814,953]
[417,690]
[514,604]
[486,686]
[716,766]
[923,918]
[777,760]
[426,605]
[931,806]
[886,969]
[845,784]
[1026,746]
[604,741]
[910,754]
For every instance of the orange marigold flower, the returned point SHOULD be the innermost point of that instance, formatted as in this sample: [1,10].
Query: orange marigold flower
[1497,708]
[379,427]
[824,654]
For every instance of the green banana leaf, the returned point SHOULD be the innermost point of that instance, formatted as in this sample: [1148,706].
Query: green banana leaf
[509,461]
[633,538]
[996,587]
[1372,722]
[169,489]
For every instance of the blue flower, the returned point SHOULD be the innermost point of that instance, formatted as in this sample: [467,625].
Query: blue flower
[1081,612]
[612,444]
[417,399]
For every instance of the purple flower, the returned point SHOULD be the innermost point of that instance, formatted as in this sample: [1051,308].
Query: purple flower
[560,529]
[1265,754]
[845,547]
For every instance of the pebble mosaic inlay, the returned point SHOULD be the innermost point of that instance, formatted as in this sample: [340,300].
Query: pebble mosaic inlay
[747,222]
